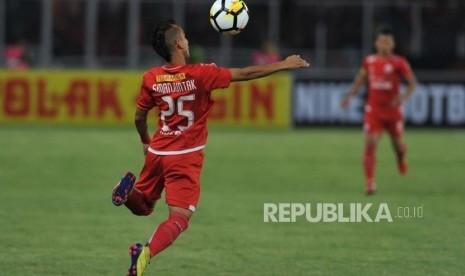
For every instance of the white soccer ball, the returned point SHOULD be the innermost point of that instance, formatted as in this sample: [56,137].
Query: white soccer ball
[229,16]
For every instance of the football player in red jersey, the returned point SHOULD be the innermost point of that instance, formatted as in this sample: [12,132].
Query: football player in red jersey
[174,156]
[384,72]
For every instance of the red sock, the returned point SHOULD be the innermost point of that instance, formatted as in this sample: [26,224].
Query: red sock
[369,161]
[401,163]
[167,232]
[401,152]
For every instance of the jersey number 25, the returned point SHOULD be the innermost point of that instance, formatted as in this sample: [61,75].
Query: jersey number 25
[180,111]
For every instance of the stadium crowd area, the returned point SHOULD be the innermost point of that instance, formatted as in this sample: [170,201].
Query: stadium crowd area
[445,48]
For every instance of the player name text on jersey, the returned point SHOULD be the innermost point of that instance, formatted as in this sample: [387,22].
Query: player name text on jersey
[175,87]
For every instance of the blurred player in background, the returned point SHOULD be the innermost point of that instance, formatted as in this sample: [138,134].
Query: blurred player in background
[174,156]
[268,54]
[384,72]
[16,56]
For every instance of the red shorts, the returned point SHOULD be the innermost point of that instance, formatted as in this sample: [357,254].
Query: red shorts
[376,122]
[179,175]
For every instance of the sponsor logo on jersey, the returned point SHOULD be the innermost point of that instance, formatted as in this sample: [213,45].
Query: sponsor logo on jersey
[170,132]
[171,78]
[382,85]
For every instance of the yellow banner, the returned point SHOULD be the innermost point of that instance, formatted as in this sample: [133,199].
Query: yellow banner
[109,97]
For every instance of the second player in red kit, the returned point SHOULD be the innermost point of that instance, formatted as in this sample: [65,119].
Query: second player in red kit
[174,156]
[384,73]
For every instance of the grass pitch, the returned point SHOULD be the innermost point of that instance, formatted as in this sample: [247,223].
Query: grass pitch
[57,217]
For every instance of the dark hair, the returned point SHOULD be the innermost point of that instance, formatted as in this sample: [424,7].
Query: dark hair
[158,38]
[384,30]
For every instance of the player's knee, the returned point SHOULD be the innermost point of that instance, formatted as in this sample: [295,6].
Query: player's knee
[398,140]
[372,141]
[180,219]
[141,212]
[139,209]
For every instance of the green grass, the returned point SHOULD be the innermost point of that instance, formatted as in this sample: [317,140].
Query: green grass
[56,216]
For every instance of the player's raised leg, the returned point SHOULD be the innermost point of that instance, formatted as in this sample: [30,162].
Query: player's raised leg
[129,194]
[144,194]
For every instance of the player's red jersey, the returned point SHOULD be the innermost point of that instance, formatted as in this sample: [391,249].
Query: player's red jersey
[183,95]
[385,75]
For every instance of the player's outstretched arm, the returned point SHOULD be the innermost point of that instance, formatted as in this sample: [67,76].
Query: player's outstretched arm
[356,85]
[260,71]
[141,125]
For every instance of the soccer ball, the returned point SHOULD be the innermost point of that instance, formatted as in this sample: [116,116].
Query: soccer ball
[229,16]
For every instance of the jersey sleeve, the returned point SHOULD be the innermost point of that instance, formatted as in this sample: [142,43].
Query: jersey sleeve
[214,77]
[145,100]
[405,69]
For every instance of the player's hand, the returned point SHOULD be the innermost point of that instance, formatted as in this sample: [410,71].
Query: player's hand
[295,62]
[398,101]
[345,102]
[145,148]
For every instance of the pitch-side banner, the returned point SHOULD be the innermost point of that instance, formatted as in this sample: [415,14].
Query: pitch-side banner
[109,97]
[432,104]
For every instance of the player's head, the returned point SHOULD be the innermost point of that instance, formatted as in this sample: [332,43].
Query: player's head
[169,39]
[384,42]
